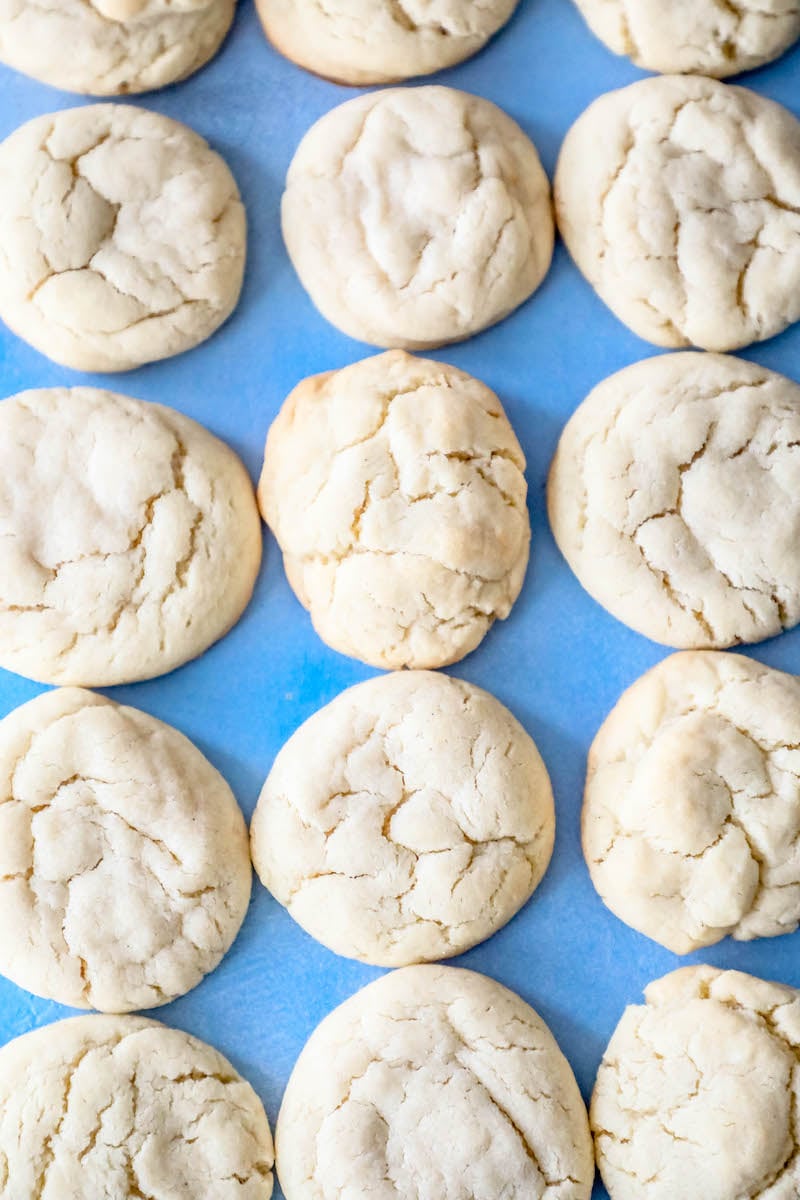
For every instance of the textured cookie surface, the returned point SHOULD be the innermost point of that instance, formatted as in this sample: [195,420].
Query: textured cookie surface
[129,537]
[433,1082]
[679,200]
[691,818]
[674,497]
[122,237]
[114,46]
[696,1096]
[416,217]
[122,1107]
[396,491]
[407,820]
[124,866]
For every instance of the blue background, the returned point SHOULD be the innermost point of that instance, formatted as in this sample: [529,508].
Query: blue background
[559,662]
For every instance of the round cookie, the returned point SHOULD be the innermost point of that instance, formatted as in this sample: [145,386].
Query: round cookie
[121,1107]
[114,46]
[124,865]
[696,1095]
[395,488]
[407,820]
[674,496]
[691,816]
[129,537]
[122,237]
[431,1082]
[362,42]
[679,199]
[417,217]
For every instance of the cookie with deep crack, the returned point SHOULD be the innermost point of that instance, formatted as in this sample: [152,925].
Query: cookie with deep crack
[396,490]
[679,200]
[417,217]
[111,47]
[122,237]
[122,1107]
[696,1094]
[433,1081]
[129,537]
[674,496]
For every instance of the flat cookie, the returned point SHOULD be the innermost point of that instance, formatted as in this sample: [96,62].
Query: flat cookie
[122,1108]
[679,200]
[111,47]
[129,537]
[417,217]
[695,1096]
[675,497]
[395,488]
[122,237]
[433,1082]
[406,821]
[691,816]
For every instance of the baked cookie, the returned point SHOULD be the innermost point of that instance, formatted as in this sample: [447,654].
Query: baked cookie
[395,488]
[122,237]
[674,496]
[679,200]
[407,820]
[121,1107]
[129,537]
[380,41]
[433,1082]
[111,47]
[695,1097]
[416,217]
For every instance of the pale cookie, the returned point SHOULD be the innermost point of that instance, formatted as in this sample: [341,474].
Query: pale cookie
[396,490]
[129,537]
[111,47]
[123,1108]
[407,820]
[691,816]
[380,41]
[679,200]
[429,1083]
[122,237]
[675,497]
[416,217]
[696,1097]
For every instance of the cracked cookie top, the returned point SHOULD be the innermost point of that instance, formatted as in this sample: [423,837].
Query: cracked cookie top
[697,1094]
[679,200]
[433,1082]
[691,817]
[396,490]
[407,820]
[129,537]
[124,866]
[122,1107]
[416,217]
[122,237]
[114,46]
[674,496]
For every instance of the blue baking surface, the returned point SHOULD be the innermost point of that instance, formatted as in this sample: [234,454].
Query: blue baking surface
[559,662]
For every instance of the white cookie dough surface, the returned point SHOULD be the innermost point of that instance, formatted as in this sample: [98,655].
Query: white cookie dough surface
[679,199]
[122,237]
[396,490]
[697,1094]
[674,496]
[405,821]
[111,47]
[433,1082]
[417,217]
[122,1108]
[129,537]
